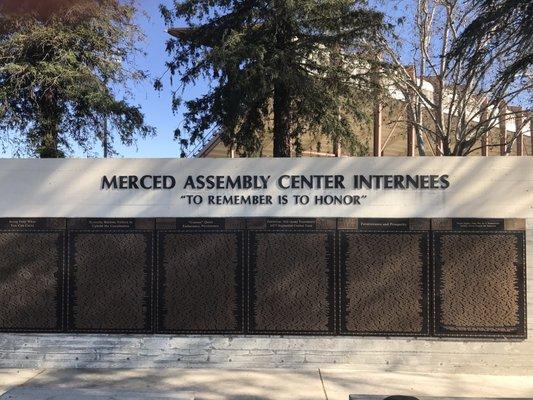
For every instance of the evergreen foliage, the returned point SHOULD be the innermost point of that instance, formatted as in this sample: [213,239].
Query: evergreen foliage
[277,67]
[58,63]
[502,29]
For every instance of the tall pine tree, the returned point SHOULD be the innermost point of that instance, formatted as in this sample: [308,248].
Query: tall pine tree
[280,66]
[59,63]
[502,29]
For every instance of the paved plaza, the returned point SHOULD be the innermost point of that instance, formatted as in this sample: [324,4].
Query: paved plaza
[266,384]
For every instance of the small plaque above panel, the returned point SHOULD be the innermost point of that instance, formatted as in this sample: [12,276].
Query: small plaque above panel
[291,274]
[384,278]
[200,223]
[200,279]
[382,224]
[27,224]
[480,287]
[290,223]
[110,276]
[475,224]
[104,224]
[31,269]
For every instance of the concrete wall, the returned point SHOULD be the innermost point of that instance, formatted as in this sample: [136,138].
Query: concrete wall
[366,353]
[485,187]
[394,354]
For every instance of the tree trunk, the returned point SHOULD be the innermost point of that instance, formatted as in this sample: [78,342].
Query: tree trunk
[282,100]
[282,123]
[48,145]
[420,142]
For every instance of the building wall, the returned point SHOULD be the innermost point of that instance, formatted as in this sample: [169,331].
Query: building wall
[393,139]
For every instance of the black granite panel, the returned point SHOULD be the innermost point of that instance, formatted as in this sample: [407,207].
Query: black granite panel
[110,281]
[384,280]
[292,282]
[31,278]
[200,282]
[480,287]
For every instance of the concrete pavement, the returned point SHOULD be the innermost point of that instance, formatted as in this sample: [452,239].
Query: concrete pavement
[275,384]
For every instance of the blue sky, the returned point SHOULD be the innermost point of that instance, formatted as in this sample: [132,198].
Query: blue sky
[155,105]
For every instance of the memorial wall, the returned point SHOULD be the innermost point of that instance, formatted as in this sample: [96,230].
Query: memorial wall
[432,249]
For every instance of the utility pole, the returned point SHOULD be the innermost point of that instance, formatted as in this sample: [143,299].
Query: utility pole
[105,133]
[105,138]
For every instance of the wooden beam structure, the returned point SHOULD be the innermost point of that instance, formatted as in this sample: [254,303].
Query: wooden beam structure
[485,135]
[337,148]
[484,138]
[530,117]
[503,129]
[437,98]
[519,130]
[410,136]
[378,125]
[411,133]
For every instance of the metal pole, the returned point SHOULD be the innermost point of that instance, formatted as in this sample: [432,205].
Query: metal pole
[484,136]
[377,127]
